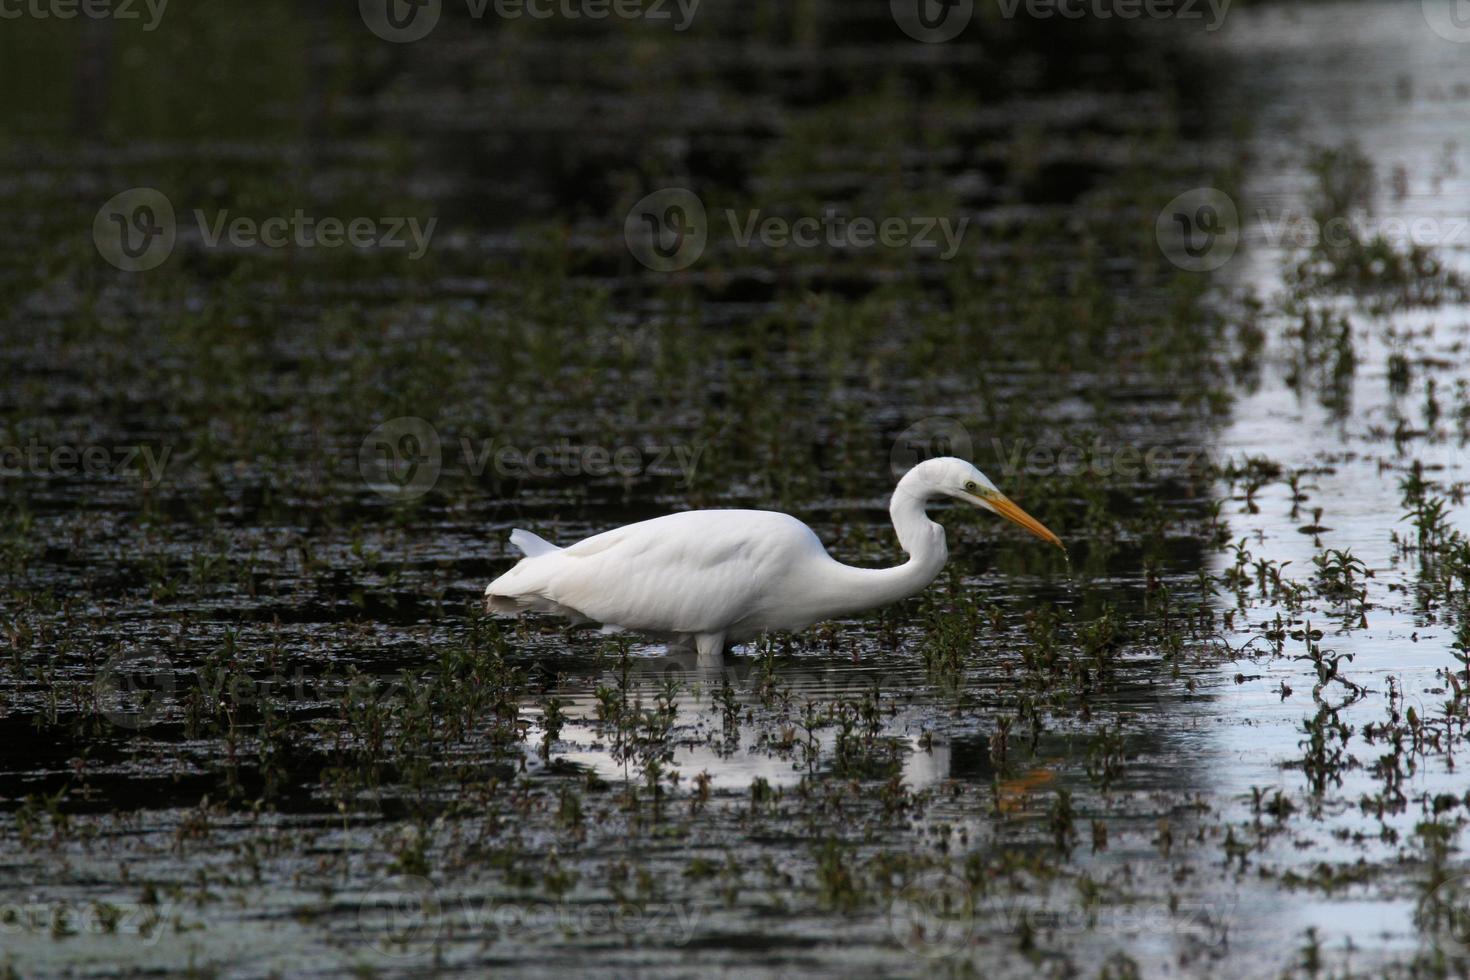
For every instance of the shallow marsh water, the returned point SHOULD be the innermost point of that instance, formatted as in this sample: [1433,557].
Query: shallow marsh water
[254,721]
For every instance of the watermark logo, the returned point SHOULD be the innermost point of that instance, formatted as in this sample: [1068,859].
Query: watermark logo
[933,915]
[398,913]
[131,688]
[937,435]
[932,21]
[400,21]
[1199,230]
[667,230]
[1443,916]
[1450,19]
[135,230]
[401,459]
[90,9]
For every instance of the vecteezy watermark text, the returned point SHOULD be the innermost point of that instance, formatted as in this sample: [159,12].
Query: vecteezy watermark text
[668,230]
[301,230]
[839,231]
[404,457]
[90,9]
[1296,229]
[937,21]
[1214,10]
[1097,457]
[36,458]
[940,435]
[145,921]
[403,21]
[137,229]
[1200,230]
[566,458]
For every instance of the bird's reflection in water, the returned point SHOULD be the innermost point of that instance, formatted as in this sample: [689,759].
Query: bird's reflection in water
[765,742]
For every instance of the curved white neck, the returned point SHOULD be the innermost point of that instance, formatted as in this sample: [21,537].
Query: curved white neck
[855,589]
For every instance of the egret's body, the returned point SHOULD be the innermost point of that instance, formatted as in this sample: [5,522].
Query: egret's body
[714,578]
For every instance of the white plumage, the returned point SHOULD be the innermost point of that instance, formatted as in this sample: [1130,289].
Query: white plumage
[715,578]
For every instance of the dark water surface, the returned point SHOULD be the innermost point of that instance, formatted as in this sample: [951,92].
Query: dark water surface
[254,721]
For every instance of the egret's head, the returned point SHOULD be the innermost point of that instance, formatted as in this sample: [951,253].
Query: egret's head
[962,480]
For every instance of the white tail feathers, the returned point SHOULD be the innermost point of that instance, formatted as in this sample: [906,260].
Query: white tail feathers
[520,589]
[530,545]
[503,604]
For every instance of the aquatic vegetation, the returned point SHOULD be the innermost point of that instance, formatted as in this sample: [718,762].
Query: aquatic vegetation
[261,690]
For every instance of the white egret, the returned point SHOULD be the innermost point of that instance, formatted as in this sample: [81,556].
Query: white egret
[709,579]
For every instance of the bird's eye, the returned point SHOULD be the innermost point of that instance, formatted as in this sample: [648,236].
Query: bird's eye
[970,486]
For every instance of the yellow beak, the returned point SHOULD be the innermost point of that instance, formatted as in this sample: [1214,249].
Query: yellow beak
[1003,506]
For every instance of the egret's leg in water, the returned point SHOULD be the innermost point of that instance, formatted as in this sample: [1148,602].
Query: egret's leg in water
[711,649]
